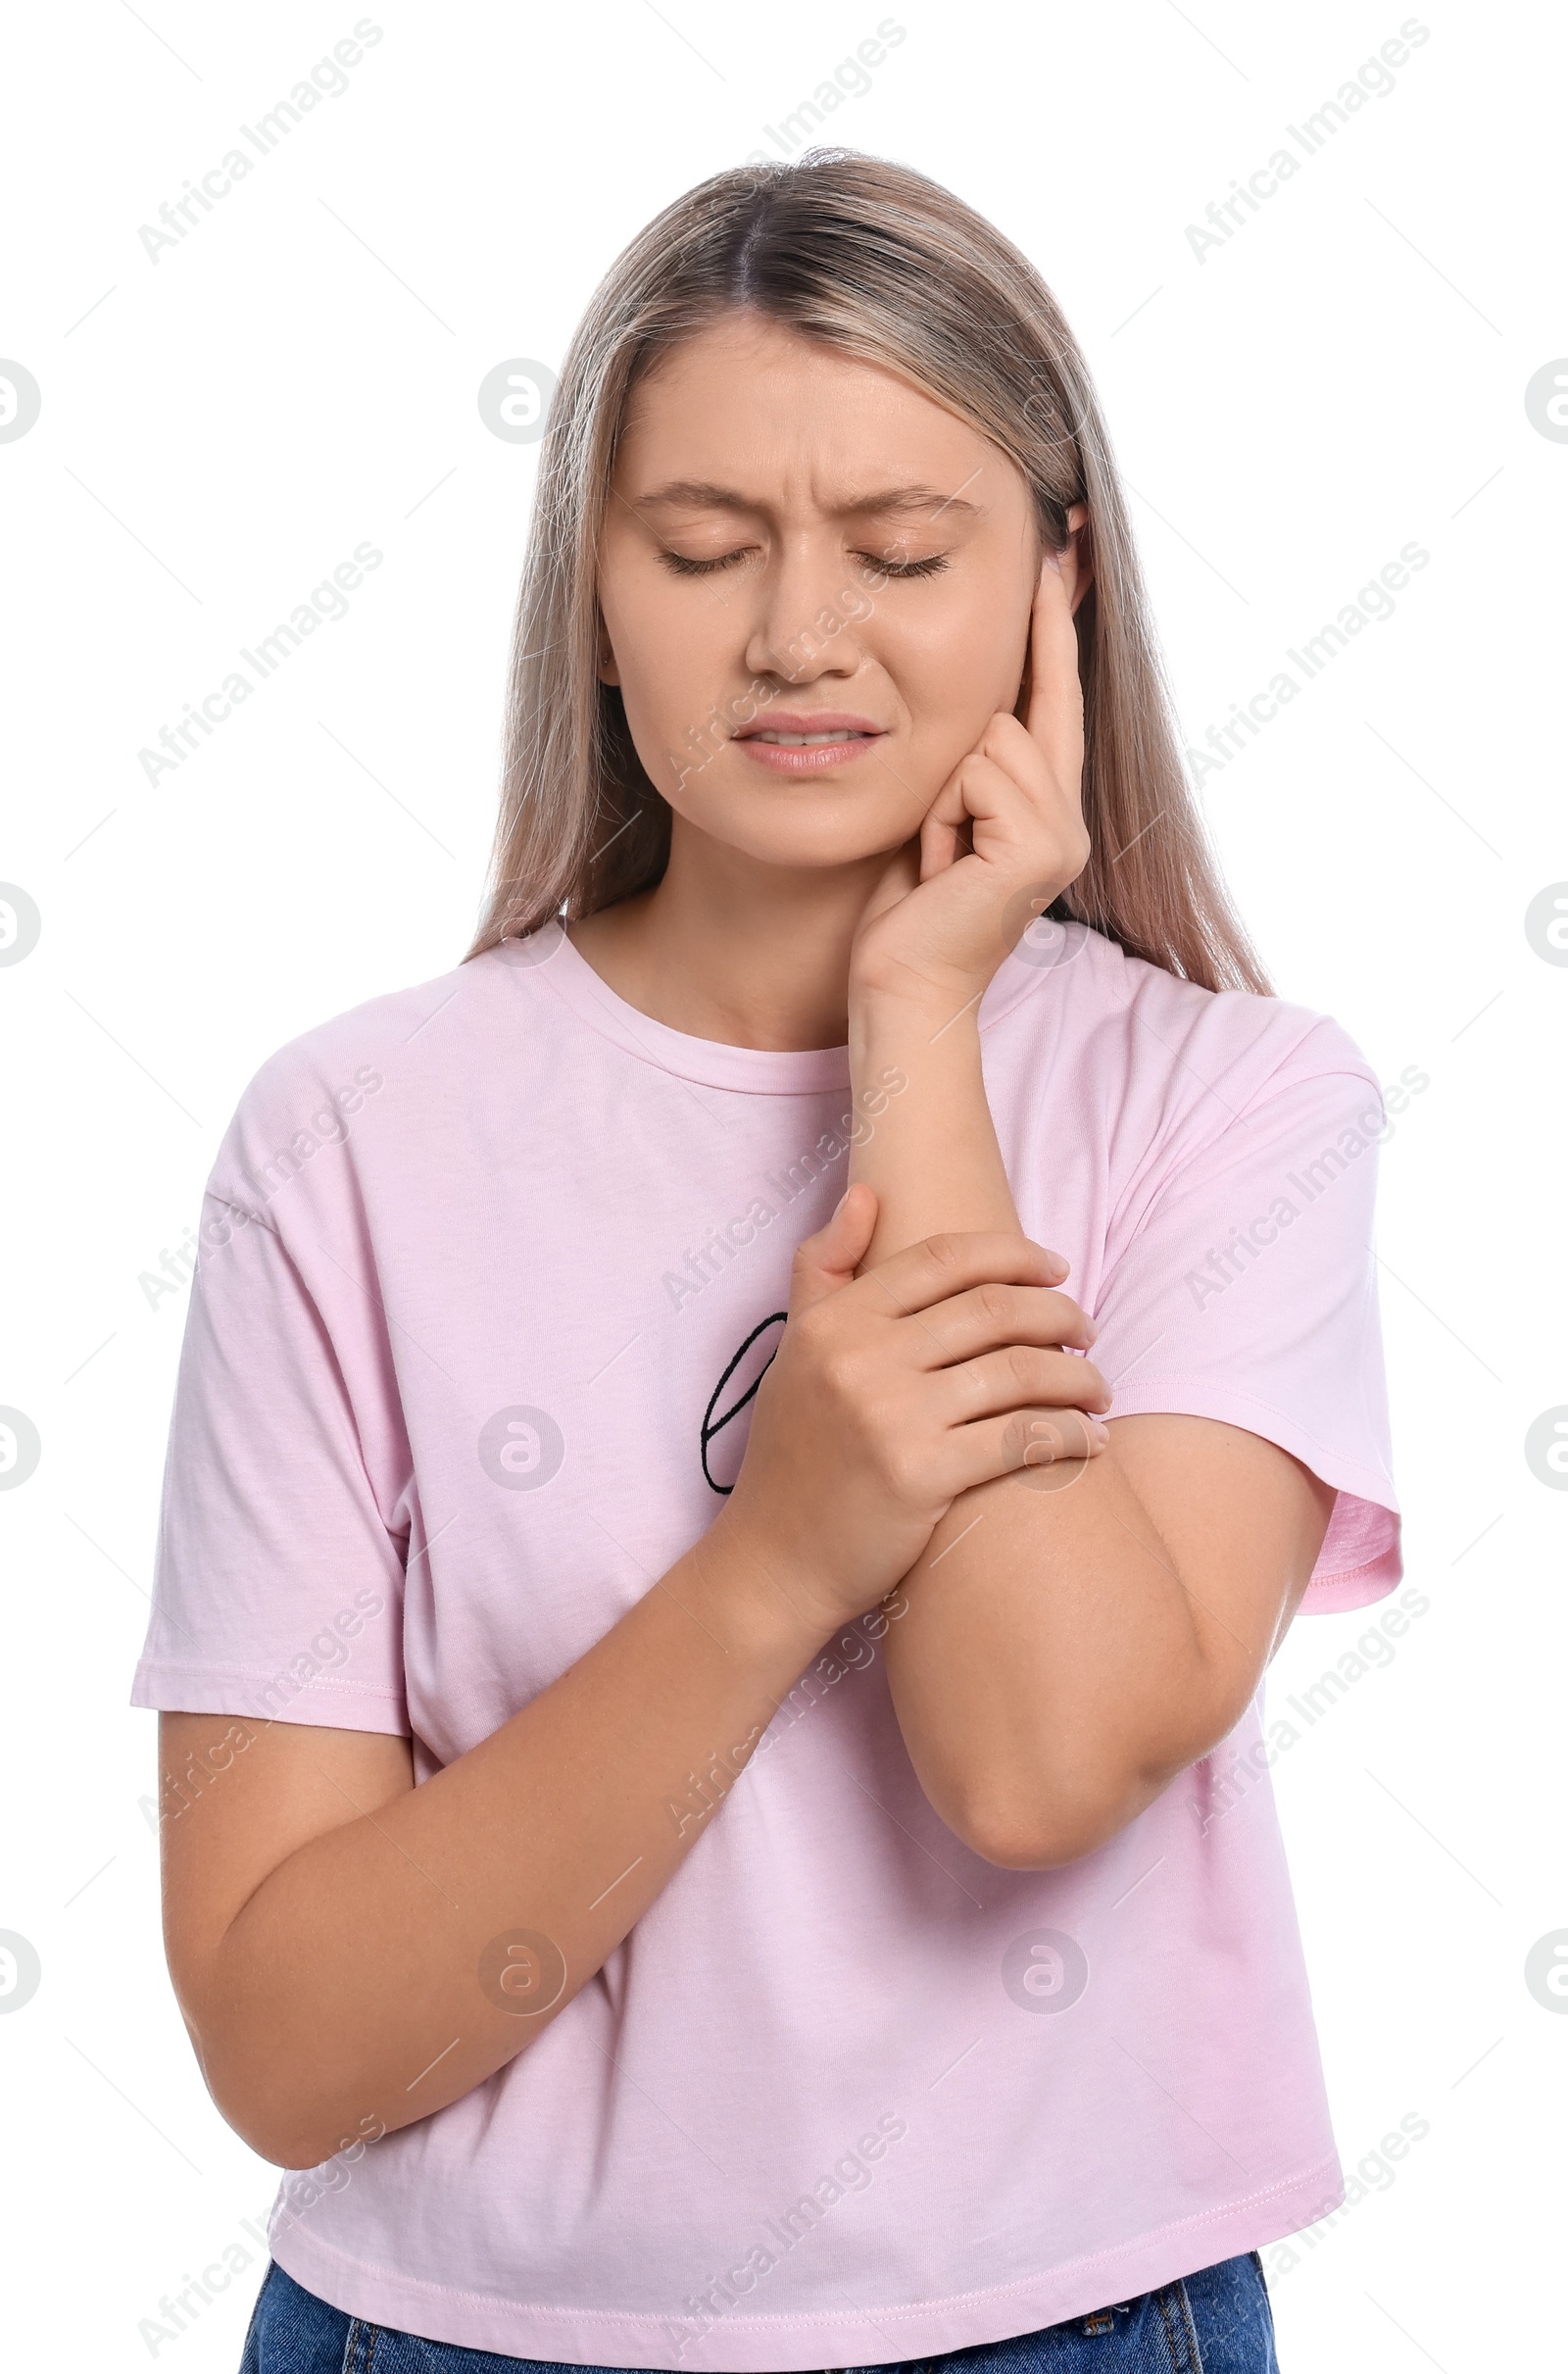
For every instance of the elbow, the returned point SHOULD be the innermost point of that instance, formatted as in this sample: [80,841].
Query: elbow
[296,2135]
[276,2129]
[1046,1823]
[1033,1842]
[285,2147]
[277,2123]
[1043,1805]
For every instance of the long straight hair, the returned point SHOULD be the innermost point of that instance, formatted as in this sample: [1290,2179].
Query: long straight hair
[880,263]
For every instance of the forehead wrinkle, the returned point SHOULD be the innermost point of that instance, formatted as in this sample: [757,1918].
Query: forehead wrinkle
[891,502]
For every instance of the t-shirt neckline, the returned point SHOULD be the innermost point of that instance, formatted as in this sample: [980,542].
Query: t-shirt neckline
[710,1062]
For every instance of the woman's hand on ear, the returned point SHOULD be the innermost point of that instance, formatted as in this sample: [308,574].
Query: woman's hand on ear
[1003,837]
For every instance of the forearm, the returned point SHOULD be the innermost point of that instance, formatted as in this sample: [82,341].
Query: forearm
[1051,1674]
[1052,1671]
[930,1149]
[360,1982]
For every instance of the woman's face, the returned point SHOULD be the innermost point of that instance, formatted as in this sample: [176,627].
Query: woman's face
[801,545]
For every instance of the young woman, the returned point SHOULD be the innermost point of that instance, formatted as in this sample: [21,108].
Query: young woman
[716,1791]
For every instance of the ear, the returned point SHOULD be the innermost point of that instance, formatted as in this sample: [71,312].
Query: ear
[605,664]
[1077,556]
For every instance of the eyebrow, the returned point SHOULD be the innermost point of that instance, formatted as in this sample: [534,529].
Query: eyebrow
[888,502]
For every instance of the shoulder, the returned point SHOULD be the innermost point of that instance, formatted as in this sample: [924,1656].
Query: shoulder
[371,1076]
[1132,1035]
[350,1051]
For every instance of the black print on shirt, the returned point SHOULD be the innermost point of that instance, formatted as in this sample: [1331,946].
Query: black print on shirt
[713,1425]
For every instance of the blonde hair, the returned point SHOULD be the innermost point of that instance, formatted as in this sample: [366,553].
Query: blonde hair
[882,264]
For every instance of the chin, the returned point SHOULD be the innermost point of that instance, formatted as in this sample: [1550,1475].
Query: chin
[805,843]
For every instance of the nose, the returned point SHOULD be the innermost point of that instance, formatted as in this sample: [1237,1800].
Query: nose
[809,610]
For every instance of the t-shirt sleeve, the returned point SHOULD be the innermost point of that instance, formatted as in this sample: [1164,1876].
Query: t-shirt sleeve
[1244,1288]
[279,1575]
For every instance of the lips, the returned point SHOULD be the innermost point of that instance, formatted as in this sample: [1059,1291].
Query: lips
[807,741]
[794,725]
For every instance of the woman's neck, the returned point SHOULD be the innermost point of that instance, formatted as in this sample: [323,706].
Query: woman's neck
[728,948]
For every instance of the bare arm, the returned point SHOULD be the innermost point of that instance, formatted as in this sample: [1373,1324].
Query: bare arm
[332,1929]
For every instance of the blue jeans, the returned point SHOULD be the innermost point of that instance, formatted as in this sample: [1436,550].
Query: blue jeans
[1214,2322]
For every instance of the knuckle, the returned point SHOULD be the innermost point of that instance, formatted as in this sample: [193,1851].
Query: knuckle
[1037,1438]
[944,1249]
[996,1304]
[821,1327]
[805,1337]
[841,1371]
[904,1474]
[1015,1438]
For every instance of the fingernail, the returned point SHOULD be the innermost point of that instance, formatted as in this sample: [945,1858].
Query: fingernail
[1099,1433]
[1052,561]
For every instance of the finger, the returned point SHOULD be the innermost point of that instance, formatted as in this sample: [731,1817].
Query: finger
[1054,713]
[995,782]
[941,1266]
[988,1317]
[986,819]
[1021,1376]
[903,870]
[826,1262]
[1022,1441]
[1009,745]
[942,830]
[1049,1438]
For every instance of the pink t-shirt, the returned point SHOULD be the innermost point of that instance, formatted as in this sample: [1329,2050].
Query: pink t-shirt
[461,1380]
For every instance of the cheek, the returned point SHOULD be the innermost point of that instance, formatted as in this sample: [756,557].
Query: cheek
[667,657]
[957,664]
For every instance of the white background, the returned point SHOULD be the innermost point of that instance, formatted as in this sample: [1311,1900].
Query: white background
[220,427]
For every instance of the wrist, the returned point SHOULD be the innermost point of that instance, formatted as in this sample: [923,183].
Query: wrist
[895,997]
[754,1600]
[922,1035]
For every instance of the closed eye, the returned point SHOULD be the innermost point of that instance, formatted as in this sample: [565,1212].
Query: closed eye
[931,567]
[681,567]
